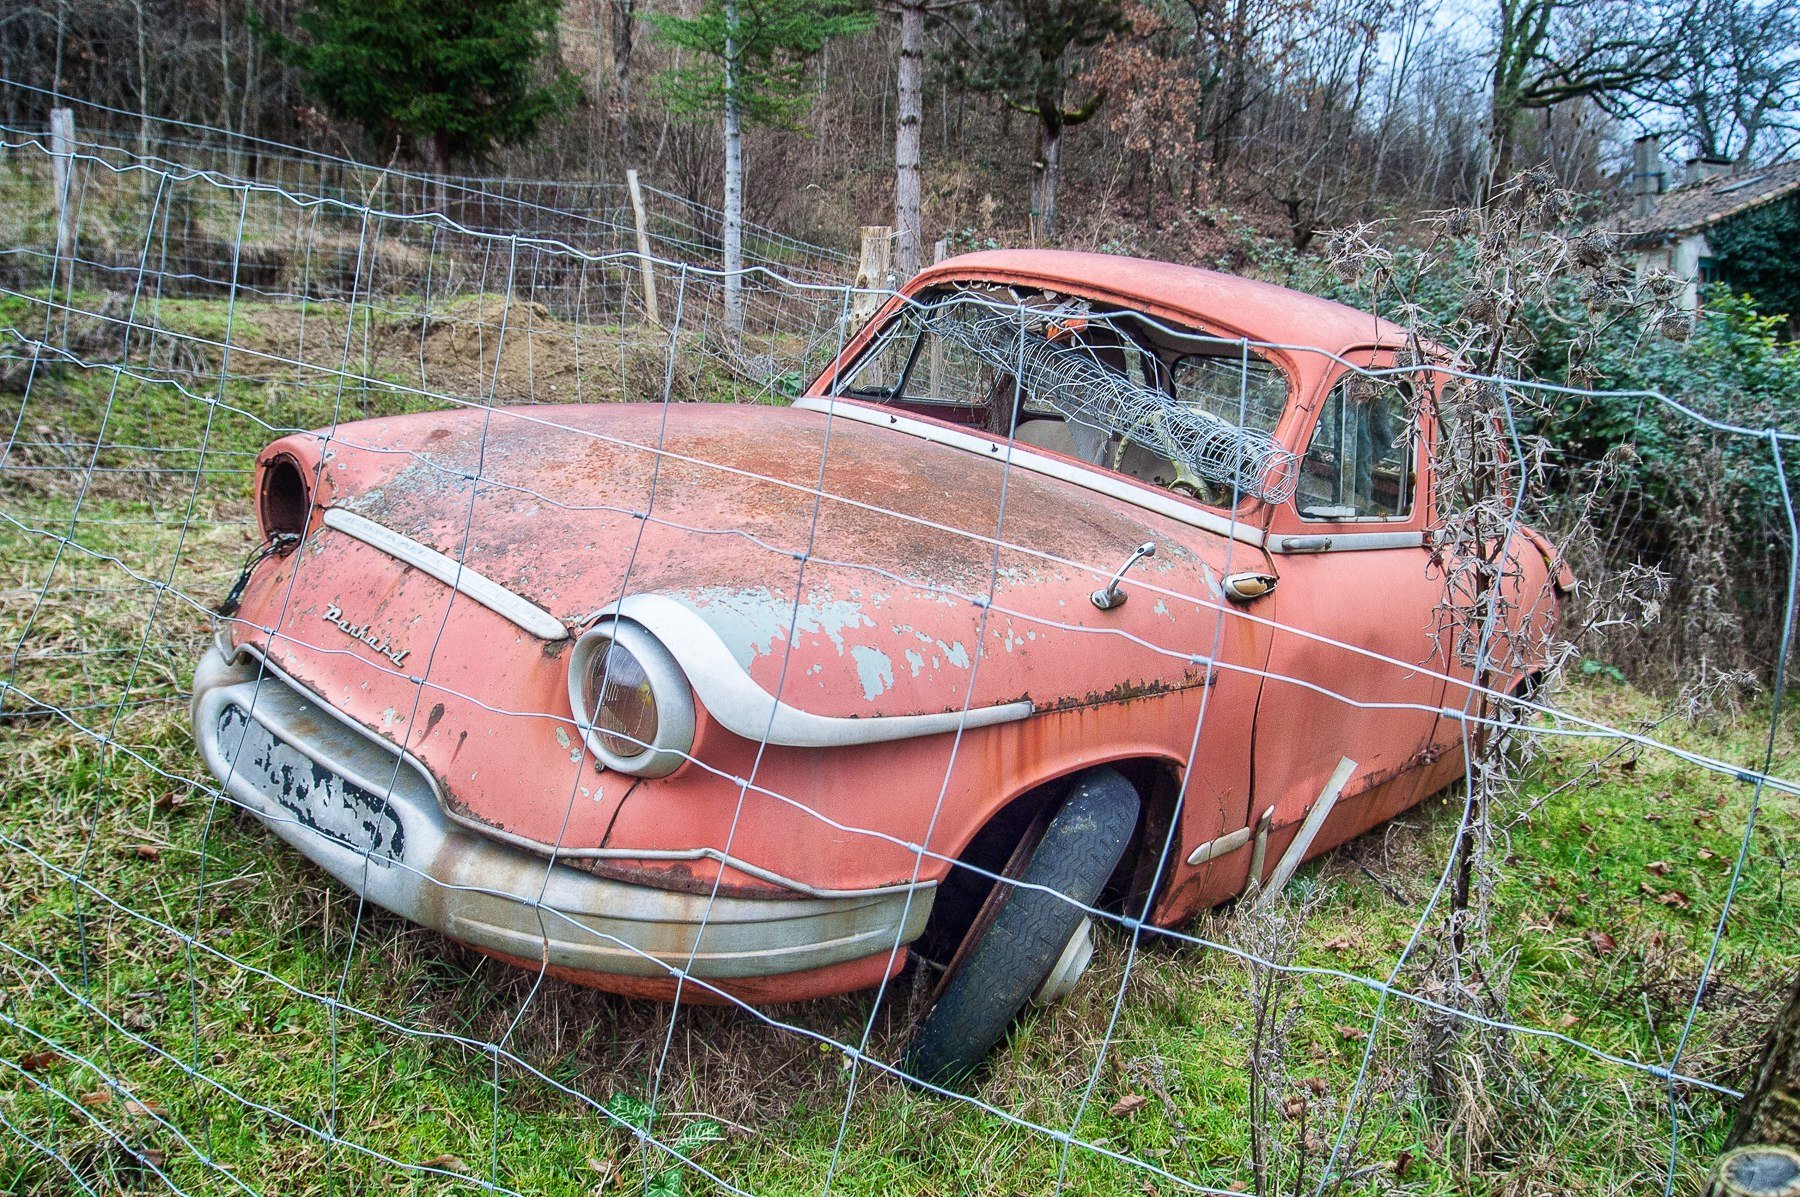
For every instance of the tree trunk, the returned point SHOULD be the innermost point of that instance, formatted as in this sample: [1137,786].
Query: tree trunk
[143,67]
[733,232]
[909,220]
[437,149]
[1048,178]
[1770,1113]
[624,26]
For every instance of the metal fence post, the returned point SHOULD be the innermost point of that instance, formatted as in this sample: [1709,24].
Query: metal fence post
[62,160]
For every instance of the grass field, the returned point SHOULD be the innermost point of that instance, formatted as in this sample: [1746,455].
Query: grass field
[181,994]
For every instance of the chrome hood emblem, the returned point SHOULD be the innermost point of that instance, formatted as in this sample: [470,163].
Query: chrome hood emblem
[334,615]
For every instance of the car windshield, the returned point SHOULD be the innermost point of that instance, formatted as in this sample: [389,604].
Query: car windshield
[1172,406]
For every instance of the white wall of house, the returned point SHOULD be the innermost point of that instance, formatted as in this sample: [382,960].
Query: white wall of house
[1681,258]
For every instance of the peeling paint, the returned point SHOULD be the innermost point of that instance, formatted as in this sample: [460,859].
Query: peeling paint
[914,662]
[751,621]
[874,668]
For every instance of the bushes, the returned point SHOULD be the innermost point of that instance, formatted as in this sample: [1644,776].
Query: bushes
[1629,483]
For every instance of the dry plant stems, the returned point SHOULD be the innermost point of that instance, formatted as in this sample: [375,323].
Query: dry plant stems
[1511,263]
[1286,1110]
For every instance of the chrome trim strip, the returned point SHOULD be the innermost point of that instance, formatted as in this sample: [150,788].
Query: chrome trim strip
[1231,841]
[1344,542]
[463,579]
[496,897]
[1302,841]
[734,699]
[1086,478]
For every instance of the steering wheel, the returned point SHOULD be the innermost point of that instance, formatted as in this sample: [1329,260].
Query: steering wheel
[1149,435]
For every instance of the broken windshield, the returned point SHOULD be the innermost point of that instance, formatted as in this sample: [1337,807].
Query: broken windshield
[1174,407]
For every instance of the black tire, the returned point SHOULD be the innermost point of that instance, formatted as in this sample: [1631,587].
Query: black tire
[1080,849]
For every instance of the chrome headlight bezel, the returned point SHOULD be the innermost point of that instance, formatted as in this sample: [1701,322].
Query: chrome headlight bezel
[669,690]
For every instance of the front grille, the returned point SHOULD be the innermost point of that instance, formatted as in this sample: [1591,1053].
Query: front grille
[300,765]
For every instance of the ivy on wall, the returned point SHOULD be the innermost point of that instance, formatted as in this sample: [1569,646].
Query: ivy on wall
[1759,253]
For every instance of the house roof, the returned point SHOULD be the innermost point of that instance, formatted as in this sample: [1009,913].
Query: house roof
[1700,205]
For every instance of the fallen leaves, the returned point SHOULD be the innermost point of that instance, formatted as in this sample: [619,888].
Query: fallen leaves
[40,1061]
[1130,1104]
[446,1163]
[1602,943]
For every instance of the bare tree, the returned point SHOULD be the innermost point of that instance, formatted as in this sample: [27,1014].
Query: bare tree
[1549,52]
[1734,82]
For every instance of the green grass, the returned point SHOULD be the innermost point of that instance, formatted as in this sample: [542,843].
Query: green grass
[110,868]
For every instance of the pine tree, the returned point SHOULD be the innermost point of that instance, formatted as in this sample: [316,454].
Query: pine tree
[1029,53]
[445,79]
[748,69]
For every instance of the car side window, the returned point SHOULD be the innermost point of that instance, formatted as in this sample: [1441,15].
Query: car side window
[1235,386]
[1359,464]
[912,362]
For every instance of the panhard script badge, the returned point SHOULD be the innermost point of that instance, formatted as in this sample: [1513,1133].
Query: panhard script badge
[334,615]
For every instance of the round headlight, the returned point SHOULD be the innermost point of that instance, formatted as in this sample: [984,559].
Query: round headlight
[624,704]
[631,700]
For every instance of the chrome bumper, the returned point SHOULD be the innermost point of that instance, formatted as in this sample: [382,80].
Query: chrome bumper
[369,814]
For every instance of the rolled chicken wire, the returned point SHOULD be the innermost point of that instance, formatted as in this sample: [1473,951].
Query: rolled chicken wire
[1085,390]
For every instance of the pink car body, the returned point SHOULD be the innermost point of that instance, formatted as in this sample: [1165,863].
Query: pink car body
[883,622]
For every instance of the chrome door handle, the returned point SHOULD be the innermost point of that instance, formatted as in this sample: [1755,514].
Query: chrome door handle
[1112,596]
[1305,544]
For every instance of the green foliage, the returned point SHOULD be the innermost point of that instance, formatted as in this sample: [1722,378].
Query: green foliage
[455,77]
[695,1134]
[772,40]
[1759,252]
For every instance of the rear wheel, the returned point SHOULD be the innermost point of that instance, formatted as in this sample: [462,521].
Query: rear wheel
[1036,943]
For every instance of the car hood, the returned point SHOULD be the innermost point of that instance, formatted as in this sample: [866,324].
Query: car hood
[851,570]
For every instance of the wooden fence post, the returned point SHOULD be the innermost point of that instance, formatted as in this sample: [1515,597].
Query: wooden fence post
[1763,1148]
[62,161]
[874,271]
[643,243]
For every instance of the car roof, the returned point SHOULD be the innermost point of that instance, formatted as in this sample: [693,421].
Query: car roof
[1257,310]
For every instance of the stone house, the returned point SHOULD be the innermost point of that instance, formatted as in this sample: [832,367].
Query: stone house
[1665,228]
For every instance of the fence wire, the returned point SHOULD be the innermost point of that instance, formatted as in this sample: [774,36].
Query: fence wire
[188,1005]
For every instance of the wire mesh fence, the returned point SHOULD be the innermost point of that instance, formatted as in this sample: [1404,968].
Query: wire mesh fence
[564,633]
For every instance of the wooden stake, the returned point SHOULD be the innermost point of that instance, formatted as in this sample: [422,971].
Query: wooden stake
[874,272]
[1761,1160]
[643,243]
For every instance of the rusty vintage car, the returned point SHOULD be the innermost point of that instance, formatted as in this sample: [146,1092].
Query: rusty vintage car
[1107,576]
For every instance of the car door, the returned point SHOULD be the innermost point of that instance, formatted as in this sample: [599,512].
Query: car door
[1355,666]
